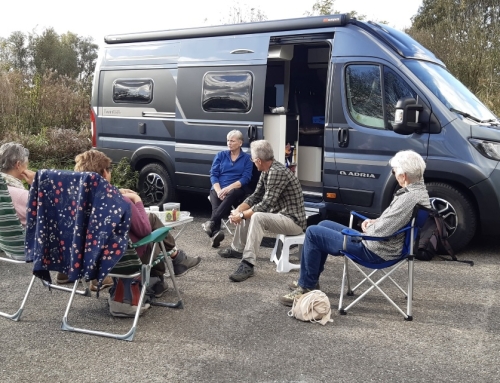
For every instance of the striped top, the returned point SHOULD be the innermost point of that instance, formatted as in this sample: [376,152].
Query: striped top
[11,230]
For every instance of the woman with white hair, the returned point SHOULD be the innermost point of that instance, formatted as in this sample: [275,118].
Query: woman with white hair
[231,171]
[14,169]
[326,237]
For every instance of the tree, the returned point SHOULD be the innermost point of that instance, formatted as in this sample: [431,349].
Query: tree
[326,7]
[242,13]
[465,35]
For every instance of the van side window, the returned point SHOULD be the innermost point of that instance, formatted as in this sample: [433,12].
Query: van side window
[395,88]
[364,95]
[134,91]
[227,92]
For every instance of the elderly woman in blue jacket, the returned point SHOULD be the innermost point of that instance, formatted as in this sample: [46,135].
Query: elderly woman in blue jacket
[231,172]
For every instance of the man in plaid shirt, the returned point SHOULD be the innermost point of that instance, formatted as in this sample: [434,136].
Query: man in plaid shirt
[277,205]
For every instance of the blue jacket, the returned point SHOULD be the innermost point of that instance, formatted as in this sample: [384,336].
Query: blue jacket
[225,172]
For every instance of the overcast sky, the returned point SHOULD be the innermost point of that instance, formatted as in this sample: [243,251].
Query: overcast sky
[97,18]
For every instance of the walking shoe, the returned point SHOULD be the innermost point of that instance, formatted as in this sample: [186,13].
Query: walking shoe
[217,239]
[243,272]
[125,310]
[182,263]
[107,282]
[62,278]
[230,253]
[158,288]
[208,227]
[295,284]
[288,299]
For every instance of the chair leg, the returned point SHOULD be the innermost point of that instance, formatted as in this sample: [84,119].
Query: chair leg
[284,265]
[375,285]
[179,304]
[409,307]
[224,223]
[17,315]
[274,254]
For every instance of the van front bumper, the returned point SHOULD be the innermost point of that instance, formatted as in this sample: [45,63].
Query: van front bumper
[487,195]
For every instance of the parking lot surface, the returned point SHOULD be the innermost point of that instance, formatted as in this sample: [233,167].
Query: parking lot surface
[239,332]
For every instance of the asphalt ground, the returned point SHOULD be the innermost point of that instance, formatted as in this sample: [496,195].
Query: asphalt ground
[239,332]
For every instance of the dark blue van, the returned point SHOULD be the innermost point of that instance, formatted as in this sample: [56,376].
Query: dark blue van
[346,94]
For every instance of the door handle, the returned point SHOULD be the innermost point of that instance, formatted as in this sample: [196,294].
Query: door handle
[252,133]
[343,137]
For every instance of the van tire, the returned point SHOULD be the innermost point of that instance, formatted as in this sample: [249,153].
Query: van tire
[155,185]
[466,219]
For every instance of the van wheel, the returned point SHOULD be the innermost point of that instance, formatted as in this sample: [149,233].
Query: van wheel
[155,185]
[458,212]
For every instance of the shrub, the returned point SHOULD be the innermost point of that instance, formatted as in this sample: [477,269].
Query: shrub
[52,148]
[123,176]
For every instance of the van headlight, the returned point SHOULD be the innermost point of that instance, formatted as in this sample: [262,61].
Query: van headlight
[490,149]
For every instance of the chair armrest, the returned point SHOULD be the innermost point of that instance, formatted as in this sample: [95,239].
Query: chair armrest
[354,233]
[156,236]
[356,214]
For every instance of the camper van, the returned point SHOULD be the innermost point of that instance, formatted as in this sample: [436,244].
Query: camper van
[336,97]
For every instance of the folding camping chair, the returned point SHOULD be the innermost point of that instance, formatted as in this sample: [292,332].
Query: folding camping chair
[11,241]
[81,222]
[411,231]
[130,267]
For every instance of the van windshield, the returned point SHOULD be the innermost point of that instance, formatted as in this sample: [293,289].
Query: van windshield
[452,93]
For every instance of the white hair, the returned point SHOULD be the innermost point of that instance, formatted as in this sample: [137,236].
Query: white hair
[410,163]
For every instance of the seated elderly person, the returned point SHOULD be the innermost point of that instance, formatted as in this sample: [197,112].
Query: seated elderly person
[230,173]
[326,237]
[141,225]
[14,169]
[277,206]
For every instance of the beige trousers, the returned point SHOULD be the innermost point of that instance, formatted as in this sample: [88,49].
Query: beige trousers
[248,234]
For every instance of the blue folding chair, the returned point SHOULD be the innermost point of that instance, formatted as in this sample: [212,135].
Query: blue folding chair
[387,267]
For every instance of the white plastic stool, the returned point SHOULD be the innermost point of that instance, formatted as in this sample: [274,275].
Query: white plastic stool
[283,264]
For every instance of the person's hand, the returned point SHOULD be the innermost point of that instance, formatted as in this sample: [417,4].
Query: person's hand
[134,197]
[28,176]
[235,217]
[223,193]
[366,223]
[128,191]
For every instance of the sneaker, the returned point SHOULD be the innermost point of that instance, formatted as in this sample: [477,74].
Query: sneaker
[295,284]
[208,227]
[243,272]
[158,289]
[62,278]
[107,282]
[182,263]
[230,253]
[288,299]
[217,239]
[125,310]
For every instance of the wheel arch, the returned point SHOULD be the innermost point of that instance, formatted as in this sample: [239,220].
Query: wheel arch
[148,154]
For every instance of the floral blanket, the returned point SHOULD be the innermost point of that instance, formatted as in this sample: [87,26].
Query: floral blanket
[77,224]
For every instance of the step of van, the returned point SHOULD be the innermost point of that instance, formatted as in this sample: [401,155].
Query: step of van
[315,212]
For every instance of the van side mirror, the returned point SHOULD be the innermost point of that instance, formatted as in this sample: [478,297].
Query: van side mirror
[406,116]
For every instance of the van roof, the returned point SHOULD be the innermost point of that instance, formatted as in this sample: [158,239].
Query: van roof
[399,41]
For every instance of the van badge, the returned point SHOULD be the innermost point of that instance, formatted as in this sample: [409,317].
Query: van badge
[358,174]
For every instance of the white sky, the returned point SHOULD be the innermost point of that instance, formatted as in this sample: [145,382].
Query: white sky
[97,18]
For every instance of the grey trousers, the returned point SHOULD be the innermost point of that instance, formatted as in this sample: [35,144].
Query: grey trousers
[248,234]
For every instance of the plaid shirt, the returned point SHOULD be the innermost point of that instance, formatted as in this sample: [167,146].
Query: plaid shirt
[279,191]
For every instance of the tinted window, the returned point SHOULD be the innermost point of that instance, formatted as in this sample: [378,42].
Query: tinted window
[133,91]
[227,92]
[364,95]
[395,88]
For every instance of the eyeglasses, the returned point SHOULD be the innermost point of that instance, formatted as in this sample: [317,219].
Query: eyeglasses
[393,172]
[109,169]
